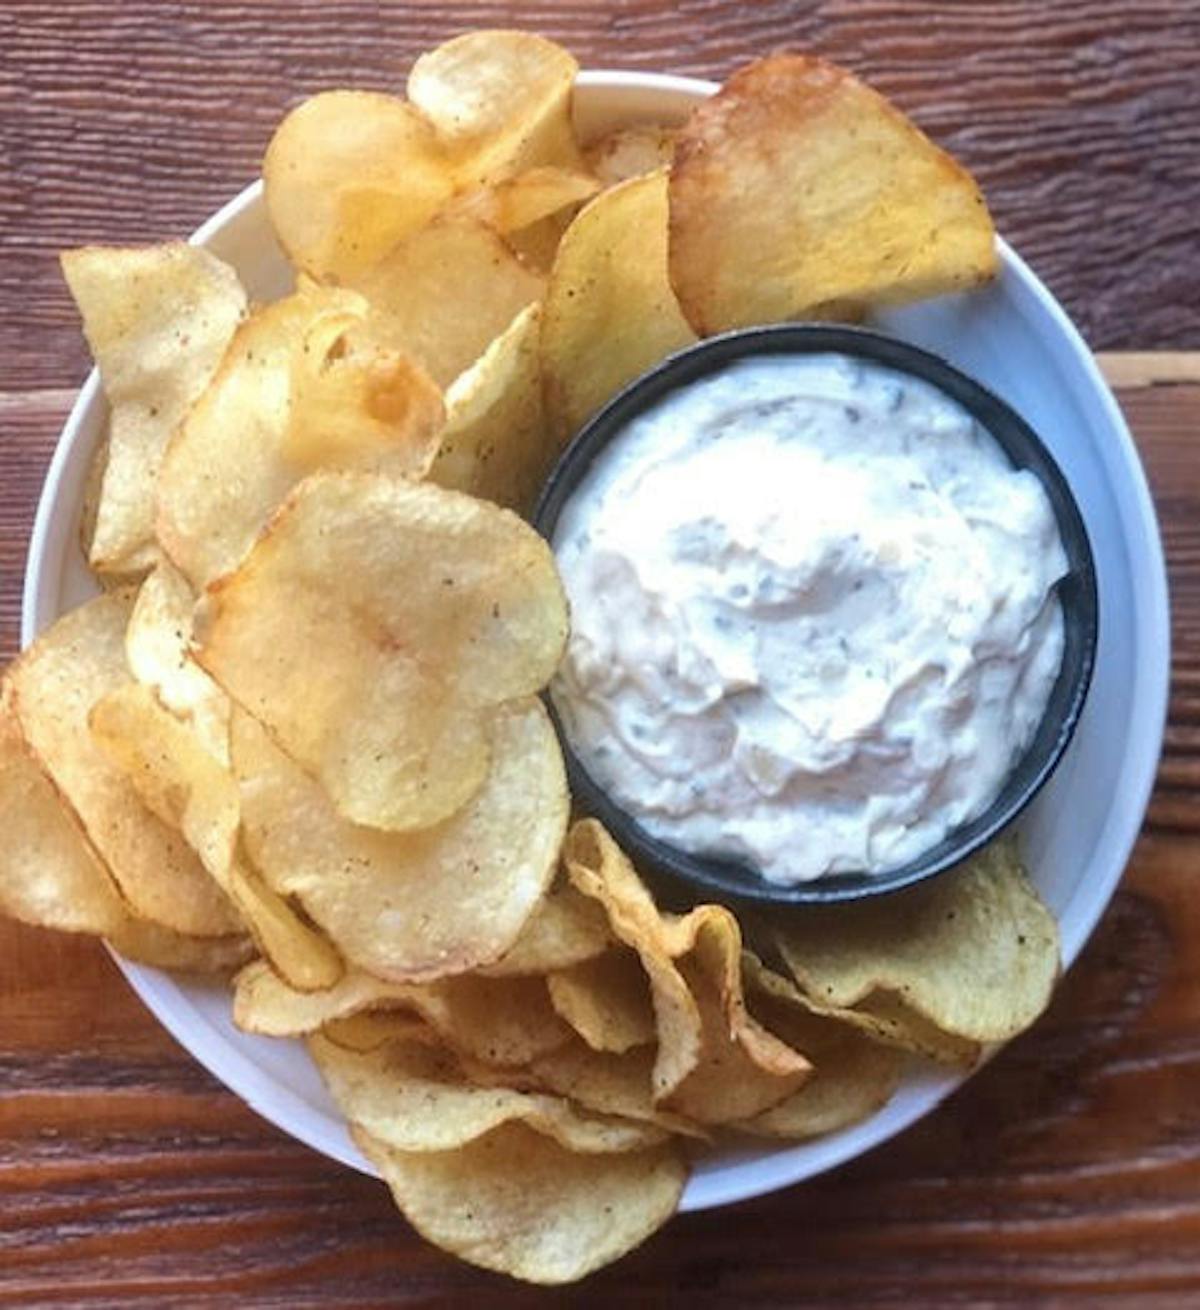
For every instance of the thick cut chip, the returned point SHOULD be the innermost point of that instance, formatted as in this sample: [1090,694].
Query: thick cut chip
[610,313]
[350,173]
[188,788]
[606,1000]
[157,646]
[419,905]
[518,1202]
[55,684]
[627,152]
[853,1076]
[500,100]
[447,291]
[158,320]
[797,189]
[496,443]
[973,952]
[413,1095]
[373,627]
[566,929]
[305,385]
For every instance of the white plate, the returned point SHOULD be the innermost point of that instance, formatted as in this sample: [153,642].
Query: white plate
[1077,837]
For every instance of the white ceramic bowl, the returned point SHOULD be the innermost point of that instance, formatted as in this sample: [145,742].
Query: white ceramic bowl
[1014,337]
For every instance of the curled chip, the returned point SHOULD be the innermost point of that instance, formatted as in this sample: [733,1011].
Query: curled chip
[158,320]
[412,1094]
[496,443]
[518,1202]
[265,1003]
[530,197]
[853,1076]
[418,905]
[610,312]
[606,1000]
[797,191]
[428,608]
[500,101]
[627,152]
[350,173]
[54,686]
[447,333]
[565,929]
[157,646]
[267,420]
[974,953]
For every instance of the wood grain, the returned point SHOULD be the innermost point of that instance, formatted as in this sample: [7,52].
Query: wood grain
[1067,1173]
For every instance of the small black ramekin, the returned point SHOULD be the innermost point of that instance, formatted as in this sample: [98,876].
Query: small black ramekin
[691,877]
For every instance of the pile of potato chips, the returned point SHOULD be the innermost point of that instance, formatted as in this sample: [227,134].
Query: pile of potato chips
[299,736]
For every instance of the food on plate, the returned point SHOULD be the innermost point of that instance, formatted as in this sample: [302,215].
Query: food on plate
[798,192]
[158,321]
[299,737]
[825,668]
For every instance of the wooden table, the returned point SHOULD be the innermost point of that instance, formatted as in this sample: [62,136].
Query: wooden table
[1068,1171]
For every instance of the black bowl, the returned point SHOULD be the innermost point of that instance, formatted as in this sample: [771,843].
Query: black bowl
[689,877]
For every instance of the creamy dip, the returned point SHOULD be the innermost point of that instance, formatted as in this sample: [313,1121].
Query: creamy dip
[813,624]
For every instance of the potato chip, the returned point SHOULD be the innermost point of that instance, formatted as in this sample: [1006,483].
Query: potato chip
[627,152]
[373,1029]
[192,791]
[411,906]
[371,627]
[55,684]
[564,930]
[852,1077]
[157,647]
[797,188]
[411,289]
[158,320]
[412,1095]
[610,313]
[885,1018]
[150,943]
[518,1202]
[606,1000]
[347,175]
[537,194]
[290,396]
[496,444]
[974,952]
[89,509]
[501,101]
[265,1003]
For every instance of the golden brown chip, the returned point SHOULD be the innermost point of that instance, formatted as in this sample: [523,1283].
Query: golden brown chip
[55,684]
[610,313]
[627,152]
[412,1095]
[518,202]
[265,1003]
[158,319]
[372,1029]
[500,100]
[157,646]
[373,626]
[149,943]
[565,929]
[518,1202]
[412,906]
[350,173]
[445,292]
[973,952]
[274,413]
[496,443]
[606,1000]
[797,188]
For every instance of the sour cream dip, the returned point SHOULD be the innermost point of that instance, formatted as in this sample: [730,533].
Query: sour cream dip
[813,616]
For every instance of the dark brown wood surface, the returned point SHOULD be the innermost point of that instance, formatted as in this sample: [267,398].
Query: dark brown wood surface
[1067,1172]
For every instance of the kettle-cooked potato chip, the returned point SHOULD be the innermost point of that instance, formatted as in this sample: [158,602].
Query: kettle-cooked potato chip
[627,152]
[158,320]
[606,1000]
[797,188]
[372,628]
[974,951]
[417,905]
[610,312]
[55,684]
[280,407]
[565,929]
[500,100]
[518,202]
[518,1202]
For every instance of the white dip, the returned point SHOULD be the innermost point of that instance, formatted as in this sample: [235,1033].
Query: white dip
[812,621]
